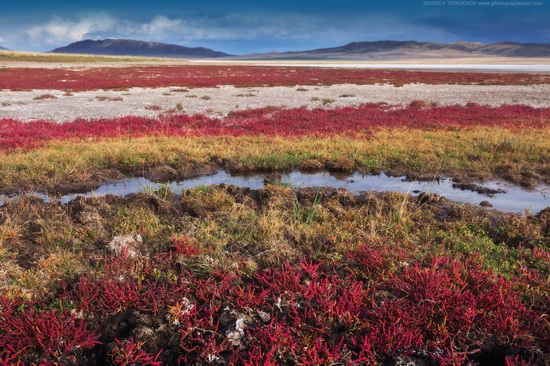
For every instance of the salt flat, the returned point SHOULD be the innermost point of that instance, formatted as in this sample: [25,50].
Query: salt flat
[218,102]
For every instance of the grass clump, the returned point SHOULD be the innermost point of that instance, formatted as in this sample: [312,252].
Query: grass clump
[45,96]
[103,98]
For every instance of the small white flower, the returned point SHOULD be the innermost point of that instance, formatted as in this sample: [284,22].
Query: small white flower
[211,358]
[187,306]
[264,316]
[240,325]
[234,337]
[278,304]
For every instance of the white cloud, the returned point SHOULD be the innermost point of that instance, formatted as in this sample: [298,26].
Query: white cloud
[62,30]
[161,24]
[192,28]
[390,27]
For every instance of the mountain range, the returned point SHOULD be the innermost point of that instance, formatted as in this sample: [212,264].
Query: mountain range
[3,48]
[129,47]
[397,50]
[378,50]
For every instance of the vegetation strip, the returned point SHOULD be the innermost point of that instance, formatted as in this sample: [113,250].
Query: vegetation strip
[273,121]
[518,156]
[241,76]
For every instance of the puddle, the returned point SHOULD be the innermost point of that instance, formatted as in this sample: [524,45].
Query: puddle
[514,199]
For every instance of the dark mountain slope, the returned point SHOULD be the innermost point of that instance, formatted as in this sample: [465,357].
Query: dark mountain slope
[128,47]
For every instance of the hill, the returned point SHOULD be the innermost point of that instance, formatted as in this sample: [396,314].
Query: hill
[396,50]
[128,47]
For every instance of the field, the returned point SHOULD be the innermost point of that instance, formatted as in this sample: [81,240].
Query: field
[39,59]
[224,274]
[194,76]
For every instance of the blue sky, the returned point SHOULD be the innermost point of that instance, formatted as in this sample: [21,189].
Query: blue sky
[246,26]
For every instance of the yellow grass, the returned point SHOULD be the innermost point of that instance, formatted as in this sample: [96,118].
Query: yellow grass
[480,152]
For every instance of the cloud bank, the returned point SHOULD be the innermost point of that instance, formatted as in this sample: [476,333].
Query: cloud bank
[219,27]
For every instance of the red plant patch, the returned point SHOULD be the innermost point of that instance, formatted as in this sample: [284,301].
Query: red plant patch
[28,333]
[354,311]
[275,122]
[242,76]
[130,353]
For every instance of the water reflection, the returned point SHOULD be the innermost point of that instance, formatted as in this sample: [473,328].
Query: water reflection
[513,199]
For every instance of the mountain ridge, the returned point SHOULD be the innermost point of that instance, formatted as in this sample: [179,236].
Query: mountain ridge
[391,50]
[130,47]
[372,50]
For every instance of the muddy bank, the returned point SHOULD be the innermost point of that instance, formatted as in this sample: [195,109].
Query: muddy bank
[340,169]
[95,220]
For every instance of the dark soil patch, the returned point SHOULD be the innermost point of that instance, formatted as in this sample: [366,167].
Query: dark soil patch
[471,186]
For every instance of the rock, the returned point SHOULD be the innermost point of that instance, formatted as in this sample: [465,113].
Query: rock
[407,361]
[235,336]
[93,222]
[485,204]
[127,245]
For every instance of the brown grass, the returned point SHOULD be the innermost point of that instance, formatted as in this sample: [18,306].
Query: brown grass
[109,99]
[45,96]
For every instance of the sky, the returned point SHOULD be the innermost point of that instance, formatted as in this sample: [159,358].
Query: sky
[246,26]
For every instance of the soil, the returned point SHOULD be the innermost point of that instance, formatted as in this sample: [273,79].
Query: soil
[471,186]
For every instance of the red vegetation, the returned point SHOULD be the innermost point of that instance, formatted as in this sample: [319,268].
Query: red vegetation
[361,309]
[241,76]
[30,333]
[131,353]
[276,122]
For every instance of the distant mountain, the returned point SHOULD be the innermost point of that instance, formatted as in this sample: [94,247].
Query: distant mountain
[128,47]
[402,50]
[4,49]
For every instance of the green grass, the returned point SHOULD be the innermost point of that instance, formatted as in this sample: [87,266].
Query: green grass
[163,192]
